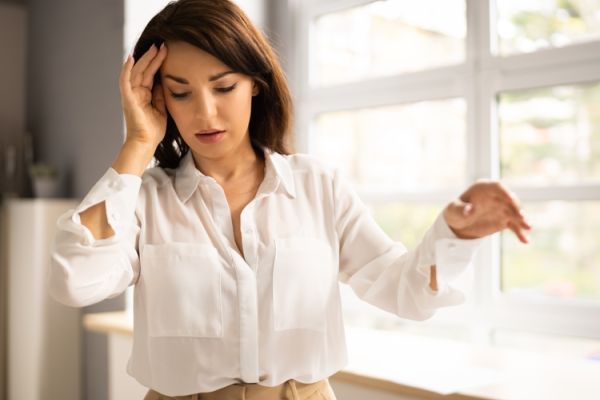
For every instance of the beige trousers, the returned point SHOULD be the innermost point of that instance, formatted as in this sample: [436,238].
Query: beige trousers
[289,390]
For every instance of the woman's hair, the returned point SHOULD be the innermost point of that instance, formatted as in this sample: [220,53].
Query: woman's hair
[223,30]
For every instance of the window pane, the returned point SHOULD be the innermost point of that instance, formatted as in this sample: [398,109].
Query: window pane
[551,135]
[406,222]
[397,148]
[385,38]
[525,26]
[563,256]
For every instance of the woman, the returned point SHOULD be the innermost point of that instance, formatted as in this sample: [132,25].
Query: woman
[235,247]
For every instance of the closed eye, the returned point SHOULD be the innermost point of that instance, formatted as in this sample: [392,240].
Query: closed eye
[220,90]
[178,95]
[226,89]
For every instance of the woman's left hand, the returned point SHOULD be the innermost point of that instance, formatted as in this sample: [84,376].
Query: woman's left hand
[485,208]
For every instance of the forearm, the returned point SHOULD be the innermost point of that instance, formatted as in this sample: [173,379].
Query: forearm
[94,218]
[132,159]
[433,278]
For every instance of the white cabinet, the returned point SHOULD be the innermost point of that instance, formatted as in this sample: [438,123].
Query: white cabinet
[44,337]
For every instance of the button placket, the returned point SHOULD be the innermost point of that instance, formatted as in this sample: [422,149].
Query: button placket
[248,239]
[221,213]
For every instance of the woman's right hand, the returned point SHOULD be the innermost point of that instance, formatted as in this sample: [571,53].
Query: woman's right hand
[143,102]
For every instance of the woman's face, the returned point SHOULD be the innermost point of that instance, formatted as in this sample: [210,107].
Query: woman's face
[202,95]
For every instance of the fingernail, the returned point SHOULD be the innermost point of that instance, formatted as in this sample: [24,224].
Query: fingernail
[467,209]
[162,45]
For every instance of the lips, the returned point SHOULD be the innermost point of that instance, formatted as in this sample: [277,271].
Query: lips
[209,131]
[210,136]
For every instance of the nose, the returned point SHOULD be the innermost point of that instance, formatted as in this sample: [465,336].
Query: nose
[206,106]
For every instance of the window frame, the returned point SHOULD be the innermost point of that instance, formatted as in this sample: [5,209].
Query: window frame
[479,80]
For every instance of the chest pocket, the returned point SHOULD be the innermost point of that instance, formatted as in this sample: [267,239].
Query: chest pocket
[303,278]
[183,289]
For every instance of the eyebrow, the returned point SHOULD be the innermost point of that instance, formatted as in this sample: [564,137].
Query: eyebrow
[210,79]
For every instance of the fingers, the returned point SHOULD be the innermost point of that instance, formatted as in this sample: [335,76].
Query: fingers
[518,231]
[501,193]
[125,77]
[517,224]
[519,217]
[524,223]
[509,199]
[152,68]
[137,72]
[488,207]
[460,210]
[158,99]
[460,207]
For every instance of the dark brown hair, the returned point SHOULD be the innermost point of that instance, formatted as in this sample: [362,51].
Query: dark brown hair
[223,30]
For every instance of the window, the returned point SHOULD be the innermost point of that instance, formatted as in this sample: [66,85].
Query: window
[525,26]
[415,100]
[398,147]
[550,137]
[382,37]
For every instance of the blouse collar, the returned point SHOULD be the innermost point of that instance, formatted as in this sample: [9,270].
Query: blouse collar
[278,176]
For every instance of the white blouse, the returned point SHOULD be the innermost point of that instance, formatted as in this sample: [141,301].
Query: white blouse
[204,316]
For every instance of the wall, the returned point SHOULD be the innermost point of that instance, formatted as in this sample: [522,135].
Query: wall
[74,113]
[13,39]
[12,80]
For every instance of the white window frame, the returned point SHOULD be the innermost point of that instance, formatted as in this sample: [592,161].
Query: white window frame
[478,80]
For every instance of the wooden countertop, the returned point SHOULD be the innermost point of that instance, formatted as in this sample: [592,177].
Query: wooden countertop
[502,373]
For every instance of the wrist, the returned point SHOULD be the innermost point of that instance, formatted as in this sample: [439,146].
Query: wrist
[133,158]
[144,147]
[460,233]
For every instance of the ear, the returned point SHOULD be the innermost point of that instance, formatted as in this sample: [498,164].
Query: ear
[255,89]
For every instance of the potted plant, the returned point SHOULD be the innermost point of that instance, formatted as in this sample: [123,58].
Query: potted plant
[44,180]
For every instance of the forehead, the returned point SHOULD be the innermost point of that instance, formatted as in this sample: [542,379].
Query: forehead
[184,58]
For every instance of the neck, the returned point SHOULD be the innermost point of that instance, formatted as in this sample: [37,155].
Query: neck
[230,168]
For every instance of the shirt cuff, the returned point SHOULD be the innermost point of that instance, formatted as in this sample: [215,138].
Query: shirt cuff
[452,254]
[120,194]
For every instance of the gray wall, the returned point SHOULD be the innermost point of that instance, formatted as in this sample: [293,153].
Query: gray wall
[74,114]
[73,104]
[13,42]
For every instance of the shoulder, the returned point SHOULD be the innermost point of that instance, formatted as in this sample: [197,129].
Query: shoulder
[301,163]
[156,178]
[309,168]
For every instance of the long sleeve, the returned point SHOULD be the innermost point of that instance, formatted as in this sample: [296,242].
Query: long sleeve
[84,270]
[384,273]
